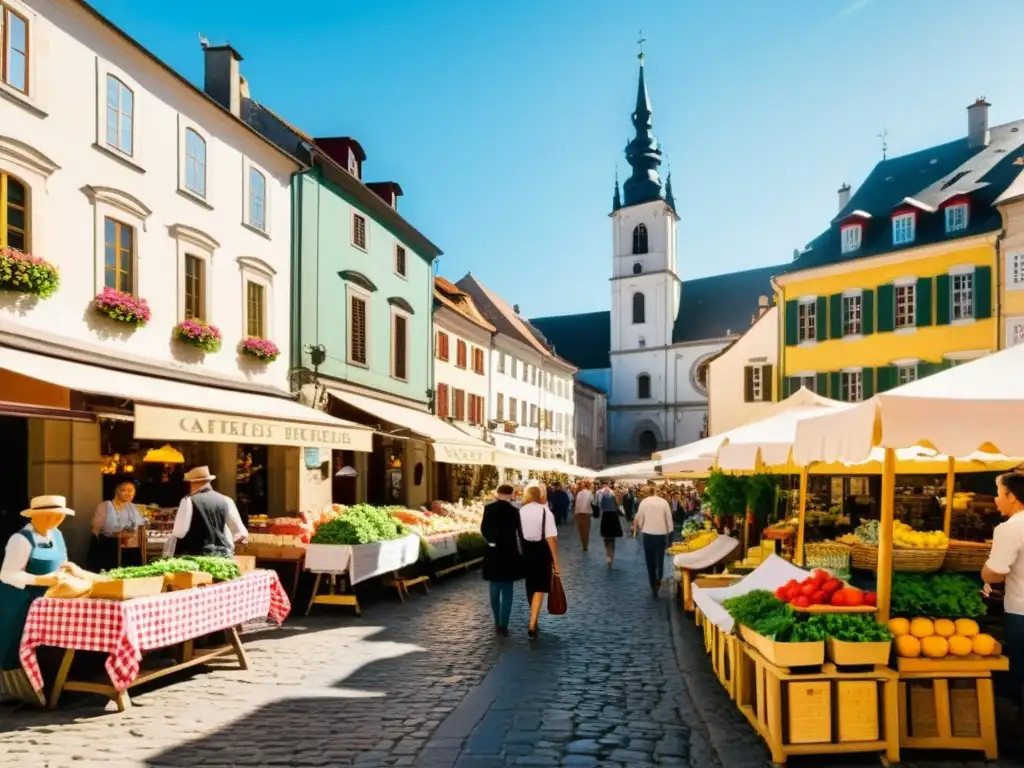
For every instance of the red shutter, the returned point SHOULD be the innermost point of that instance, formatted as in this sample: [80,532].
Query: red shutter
[460,354]
[460,405]
[441,401]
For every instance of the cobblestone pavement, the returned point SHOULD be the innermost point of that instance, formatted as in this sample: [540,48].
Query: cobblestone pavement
[621,681]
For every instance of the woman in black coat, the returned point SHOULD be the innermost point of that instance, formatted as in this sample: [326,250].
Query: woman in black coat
[503,564]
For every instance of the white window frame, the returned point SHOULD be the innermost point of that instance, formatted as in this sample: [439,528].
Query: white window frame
[405,252]
[904,228]
[260,272]
[128,209]
[395,313]
[853,314]
[184,126]
[808,379]
[1015,271]
[906,371]
[247,166]
[757,378]
[133,160]
[905,283]
[813,320]
[853,385]
[851,237]
[31,17]
[365,296]
[961,272]
[123,115]
[959,211]
[365,248]
[190,241]
[1014,331]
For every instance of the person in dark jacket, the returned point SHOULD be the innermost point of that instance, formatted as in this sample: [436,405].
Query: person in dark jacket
[503,560]
[207,522]
[559,503]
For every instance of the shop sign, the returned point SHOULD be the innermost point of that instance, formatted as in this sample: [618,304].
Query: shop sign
[452,453]
[152,423]
[312,458]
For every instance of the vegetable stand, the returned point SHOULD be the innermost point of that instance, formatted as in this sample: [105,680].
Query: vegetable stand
[356,563]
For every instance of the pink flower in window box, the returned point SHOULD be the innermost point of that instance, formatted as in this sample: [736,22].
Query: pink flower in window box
[122,307]
[263,350]
[198,334]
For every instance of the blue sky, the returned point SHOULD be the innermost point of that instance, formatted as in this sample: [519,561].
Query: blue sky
[504,122]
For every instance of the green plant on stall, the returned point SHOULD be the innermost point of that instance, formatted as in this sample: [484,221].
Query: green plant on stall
[761,492]
[726,494]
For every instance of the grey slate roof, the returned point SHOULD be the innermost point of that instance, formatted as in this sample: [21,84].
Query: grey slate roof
[583,340]
[929,177]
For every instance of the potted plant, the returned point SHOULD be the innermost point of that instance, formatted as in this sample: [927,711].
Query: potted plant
[122,307]
[22,273]
[263,350]
[198,334]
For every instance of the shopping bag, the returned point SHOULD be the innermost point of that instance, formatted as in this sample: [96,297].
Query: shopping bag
[556,597]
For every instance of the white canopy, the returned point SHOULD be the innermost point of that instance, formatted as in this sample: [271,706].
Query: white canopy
[640,470]
[976,406]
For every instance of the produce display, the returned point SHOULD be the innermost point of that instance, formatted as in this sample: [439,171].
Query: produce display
[851,627]
[694,542]
[902,536]
[471,545]
[828,554]
[765,614]
[468,515]
[221,568]
[694,525]
[360,524]
[429,524]
[941,638]
[821,588]
[867,532]
[939,595]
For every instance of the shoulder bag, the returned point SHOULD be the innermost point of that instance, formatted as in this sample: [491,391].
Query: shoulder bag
[556,595]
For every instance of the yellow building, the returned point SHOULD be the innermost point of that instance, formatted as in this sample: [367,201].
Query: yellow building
[905,280]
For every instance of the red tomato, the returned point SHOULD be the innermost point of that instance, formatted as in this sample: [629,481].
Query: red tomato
[791,583]
[818,598]
[809,589]
[781,594]
[821,576]
[802,602]
[832,585]
[870,598]
[853,596]
[839,598]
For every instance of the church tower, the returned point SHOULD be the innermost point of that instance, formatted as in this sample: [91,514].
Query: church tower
[645,280]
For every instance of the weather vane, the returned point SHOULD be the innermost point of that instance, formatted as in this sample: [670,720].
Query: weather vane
[641,42]
[884,136]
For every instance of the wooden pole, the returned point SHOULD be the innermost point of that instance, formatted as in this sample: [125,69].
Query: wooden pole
[947,519]
[802,519]
[884,588]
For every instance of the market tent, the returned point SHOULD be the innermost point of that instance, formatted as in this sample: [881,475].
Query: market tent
[640,470]
[976,406]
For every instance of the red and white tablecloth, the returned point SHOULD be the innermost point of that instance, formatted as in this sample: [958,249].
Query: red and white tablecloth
[124,630]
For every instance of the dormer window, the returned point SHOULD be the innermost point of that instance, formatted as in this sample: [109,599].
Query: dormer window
[353,163]
[956,218]
[903,228]
[851,237]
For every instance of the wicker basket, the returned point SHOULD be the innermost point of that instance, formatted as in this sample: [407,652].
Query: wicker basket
[904,559]
[966,555]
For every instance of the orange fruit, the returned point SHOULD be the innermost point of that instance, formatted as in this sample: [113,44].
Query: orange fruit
[945,628]
[961,646]
[934,647]
[908,646]
[921,628]
[899,627]
[967,627]
[983,644]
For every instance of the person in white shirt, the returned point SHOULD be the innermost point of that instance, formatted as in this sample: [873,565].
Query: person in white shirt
[207,522]
[540,551]
[583,507]
[654,520]
[1006,565]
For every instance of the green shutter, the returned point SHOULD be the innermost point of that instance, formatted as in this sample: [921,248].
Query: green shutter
[792,323]
[983,292]
[819,318]
[867,383]
[768,388]
[867,312]
[748,384]
[946,364]
[923,302]
[835,316]
[835,388]
[942,297]
[886,310]
[927,369]
[887,377]
[821,384]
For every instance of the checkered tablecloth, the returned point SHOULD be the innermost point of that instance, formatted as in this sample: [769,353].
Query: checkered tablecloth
[124,630]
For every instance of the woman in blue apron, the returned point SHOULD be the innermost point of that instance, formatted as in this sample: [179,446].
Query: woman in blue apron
[31,561]
[117,527]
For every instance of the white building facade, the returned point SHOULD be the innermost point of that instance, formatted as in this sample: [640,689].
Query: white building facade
[742,378]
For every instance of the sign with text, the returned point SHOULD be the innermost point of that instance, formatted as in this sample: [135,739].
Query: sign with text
[463,453]
[152,423]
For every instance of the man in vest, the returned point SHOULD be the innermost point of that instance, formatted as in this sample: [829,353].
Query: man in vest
[207,522]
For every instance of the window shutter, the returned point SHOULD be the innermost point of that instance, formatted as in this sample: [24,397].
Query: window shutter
[835,316]
[791,323]
[887,377]
[923,302]
[790,385]
[835,386]
[867,312]
[819,318]
[942,299]
[927,369]
[983,292]
[867,383]
[767,384]
[821,384]
[748,384]
[886,310]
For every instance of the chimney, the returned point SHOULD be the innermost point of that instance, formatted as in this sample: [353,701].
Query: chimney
[977,124]
[223,82]
[844,196]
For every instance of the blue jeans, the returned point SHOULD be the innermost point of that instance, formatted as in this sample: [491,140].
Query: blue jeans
[654,554]
[501,602]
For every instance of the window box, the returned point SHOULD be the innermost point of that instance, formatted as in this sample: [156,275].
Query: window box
[122,307]
[22,273]
[263,350]
[198,334]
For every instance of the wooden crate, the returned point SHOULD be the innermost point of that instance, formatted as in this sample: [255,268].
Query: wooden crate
[787,655]
[187,580]
[126,589]
[845,654]
[724,652]
[810,711]
[246,563]
[857,710]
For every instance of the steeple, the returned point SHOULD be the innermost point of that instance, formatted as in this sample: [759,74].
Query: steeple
[668,191]
[617,200]
[642,153]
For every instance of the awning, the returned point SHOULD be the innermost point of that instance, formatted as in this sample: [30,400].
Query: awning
[451,445]
[174,410]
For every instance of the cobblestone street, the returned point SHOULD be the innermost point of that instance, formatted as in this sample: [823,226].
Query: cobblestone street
[428,684]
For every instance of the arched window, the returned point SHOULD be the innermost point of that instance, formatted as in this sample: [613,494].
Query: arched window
[13,203]
[640,239]
[638,268]
[648,442]
[639,312]
[643,387]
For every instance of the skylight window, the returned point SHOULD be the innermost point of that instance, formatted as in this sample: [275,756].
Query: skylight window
[956,177]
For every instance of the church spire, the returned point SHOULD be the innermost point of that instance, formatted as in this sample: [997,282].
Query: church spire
[668,191]
[617,199]
[642,153]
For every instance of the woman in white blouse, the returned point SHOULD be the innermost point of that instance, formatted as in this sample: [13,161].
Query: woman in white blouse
[540,551]
[113,521]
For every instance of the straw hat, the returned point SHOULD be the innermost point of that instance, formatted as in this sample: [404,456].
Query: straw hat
[48,504]
[199,475]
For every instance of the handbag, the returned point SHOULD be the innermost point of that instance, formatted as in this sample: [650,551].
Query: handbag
[556,595]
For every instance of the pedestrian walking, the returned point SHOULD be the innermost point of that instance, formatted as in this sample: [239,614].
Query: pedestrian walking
[559,501]
[540,552]
[629,504]
[654,521]
[583,507]
[611,527]
[503,559]
[207,522]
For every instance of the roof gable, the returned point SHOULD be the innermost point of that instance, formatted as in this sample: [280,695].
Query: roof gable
[723,305]
[584,340]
